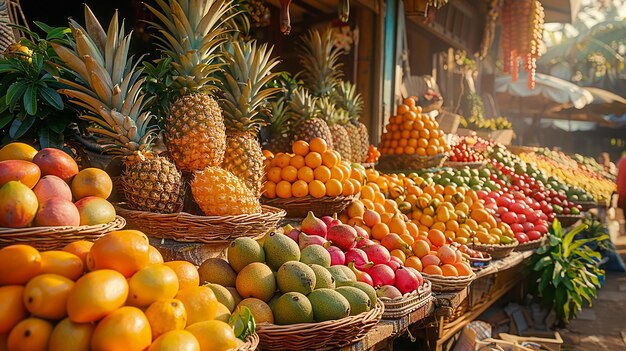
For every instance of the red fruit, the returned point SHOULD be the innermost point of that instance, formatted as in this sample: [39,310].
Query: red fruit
[51,186]
[521,237]
[377,254]
[382,275]
[313,226]
[521,218]
[394,264]
[418,275]
[396,259]
[502,210]
[516,228]
[503,201]
[542,229]
[56,162]
[509,217]
[308,240]
[527,226]
[388,291]
[330,221]
[359,258]
[533,235]
[294,234]
[57,212]
[360,233]
[360,275]
[406,281]
[363,242]
[337,257]
[517,207]
[446,254]
[342,235]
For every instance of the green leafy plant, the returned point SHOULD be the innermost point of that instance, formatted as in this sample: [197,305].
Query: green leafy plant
[565,272]
[242,322]
[31,110]
[159,79]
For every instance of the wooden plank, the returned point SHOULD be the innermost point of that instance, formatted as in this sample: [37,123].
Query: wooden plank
[195,253]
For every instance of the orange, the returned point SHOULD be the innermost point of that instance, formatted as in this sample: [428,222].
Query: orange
[31,334]
[126,328]
[337,173]
[299,188]
[432,269]
[79,248]
[125,251]
[439,226]
[356,184]
[297,161]
[449,270]
[412,228]
[165,315]
[420,151]
[431,150]
[397,225]
[355,209]
[62,263]
[46,296]
[281,160]
[330,159]
[347,188]
[186,273]
[410,102]
[300,148]
[91,182]
[313,160]
[399,254]
[390,206]
[379,198]
[355,221]
[12,309]
[367,193]
[371,218]
[152,283]
[70,336]
[463,268]
[268,154]
[175,340]
[18,264]
[407,238]
[155,255]
[289,173]
[333,187]
[414,262]
[260,310]
[269,189]
[273,174]
[368,204]
[402,109]
[306,174]
[213,335]
[318,145]
[379,231]
[200,303]
[322,173]
[283,189]
[17,151]
[420,248]
[436,237]
[317,189]
[95,295]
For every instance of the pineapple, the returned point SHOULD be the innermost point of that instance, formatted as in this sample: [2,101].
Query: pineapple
[279,128]
[336,118]
[192,32]
[110,91]
[320,59]
[219,193]
[6,33]
[352,103]
[246,73]
[304,109]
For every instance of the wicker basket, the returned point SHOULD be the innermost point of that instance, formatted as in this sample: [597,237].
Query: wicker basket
[480,263]
[460,165]
[408,303]
[319,336]
[51,238]
[496,251]
[252,342]
[185,227]
[410,162]
[299,207]
[531,245]
[568,220]
[449,284]
[587,205]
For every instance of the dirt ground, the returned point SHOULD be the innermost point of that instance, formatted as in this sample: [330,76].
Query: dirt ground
[603,326]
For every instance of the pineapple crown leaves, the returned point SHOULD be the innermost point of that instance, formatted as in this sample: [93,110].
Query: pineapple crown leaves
[191,34]
[320,58]
[303,105]
[280,115]
[109,87]
[346,98]
[330,112]
[244,83]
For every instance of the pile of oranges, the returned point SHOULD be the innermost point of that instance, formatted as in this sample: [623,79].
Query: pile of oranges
[312,169]
[412,133]
[114,294]
[372,154]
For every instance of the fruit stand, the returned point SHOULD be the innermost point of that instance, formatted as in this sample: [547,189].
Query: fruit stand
[244,208]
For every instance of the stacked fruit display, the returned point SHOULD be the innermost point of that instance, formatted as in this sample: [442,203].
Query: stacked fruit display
[312,170]
[113,294]
[465,151]
[284,281]
[411,132]
[485,178]
[45,188]
[372,154]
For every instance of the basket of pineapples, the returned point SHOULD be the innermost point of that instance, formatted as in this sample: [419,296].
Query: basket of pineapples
[214,143]
[412,140]
[312,178]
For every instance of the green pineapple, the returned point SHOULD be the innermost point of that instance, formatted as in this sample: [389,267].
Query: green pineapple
[336,118]
[192,32]
[352,103]
[246,73]
[279,127]
[111,95]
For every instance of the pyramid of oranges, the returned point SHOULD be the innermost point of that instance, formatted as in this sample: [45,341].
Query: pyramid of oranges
[312,169]
[410,132]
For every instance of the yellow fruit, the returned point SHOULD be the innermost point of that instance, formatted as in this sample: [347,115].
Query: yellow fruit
[200,303]
[186,272]
[155,255]
[96,294]
[79,248]
[91,182]
[175,340]
[18,264]
[12,309]
[259,309]
[46,295]
[31,334]
[223,313]
[125,251]
[62,263]
[94,210]
[18,204]
[126,328]
[152,283]
[165,315]
[213,335]
[70,336]
[17,151]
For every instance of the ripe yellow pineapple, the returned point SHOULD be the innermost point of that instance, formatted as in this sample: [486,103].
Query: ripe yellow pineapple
[220,193]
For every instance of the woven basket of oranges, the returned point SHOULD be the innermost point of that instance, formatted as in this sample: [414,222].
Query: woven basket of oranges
[311,178]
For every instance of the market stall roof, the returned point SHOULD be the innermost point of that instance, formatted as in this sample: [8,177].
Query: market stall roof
[560,11]
[604,103]
[550,94]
